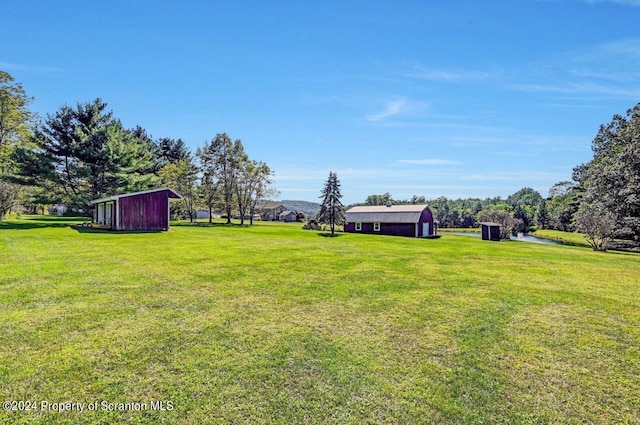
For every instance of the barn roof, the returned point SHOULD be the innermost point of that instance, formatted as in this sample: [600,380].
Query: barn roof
[172,194]
[384,214]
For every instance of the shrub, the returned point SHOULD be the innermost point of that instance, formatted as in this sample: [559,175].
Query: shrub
[311,225]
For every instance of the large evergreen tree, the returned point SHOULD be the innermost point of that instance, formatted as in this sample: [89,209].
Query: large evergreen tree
[542,218]
[84,153]
[331,211]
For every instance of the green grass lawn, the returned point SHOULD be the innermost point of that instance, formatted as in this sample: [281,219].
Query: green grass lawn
[569,238]
[273,324]
[459,230]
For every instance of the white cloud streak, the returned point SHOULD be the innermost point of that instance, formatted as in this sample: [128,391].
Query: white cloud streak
[391,108]
[421,72]
[37,68]
[634,3]
[428,162]
[519,175]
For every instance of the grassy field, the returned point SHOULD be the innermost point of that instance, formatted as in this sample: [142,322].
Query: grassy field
[459,230]
[273,324]
[569,238]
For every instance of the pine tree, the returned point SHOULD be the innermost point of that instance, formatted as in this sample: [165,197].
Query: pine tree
[332,210]
[85,153]
[542,215]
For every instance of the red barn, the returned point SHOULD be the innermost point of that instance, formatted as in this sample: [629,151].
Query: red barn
[148,210]
[397,220]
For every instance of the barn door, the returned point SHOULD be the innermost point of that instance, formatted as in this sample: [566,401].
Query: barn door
[425,230]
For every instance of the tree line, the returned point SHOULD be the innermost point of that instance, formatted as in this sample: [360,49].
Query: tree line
[602,200]
[84,152]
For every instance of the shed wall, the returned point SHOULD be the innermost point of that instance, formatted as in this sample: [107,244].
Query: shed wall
[149,211]
[490,233]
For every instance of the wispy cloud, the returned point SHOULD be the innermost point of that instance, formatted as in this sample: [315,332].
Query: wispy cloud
[434,186]
[606,70]
[22,67]
[365,174]
[428,162]
[419,71]
[635,3]
[580,89]
[391,108]
[607,60]
[518,175]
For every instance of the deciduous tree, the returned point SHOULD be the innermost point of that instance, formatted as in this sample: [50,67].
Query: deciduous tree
[612,178]
[15,119]
[502,215]
[597,224]
[220,161]
[182,176]
[253,182]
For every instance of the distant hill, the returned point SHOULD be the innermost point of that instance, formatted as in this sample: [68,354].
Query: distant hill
[309,208]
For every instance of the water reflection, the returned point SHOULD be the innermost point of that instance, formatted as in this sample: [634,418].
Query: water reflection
[520,237]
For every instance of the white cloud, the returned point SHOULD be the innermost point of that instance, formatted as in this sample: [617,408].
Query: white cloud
[580,89]
[391,108]
[298,190]
[635,3]
[514,176]
[21,67]
[447,76]
[604,70]
[428,162]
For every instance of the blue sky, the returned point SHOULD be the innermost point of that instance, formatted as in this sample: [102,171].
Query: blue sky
[455,98]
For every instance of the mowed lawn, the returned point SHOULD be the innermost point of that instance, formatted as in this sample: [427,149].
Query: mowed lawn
[274,324]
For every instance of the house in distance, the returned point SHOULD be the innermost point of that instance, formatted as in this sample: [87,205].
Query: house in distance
[147,210]
[396,220]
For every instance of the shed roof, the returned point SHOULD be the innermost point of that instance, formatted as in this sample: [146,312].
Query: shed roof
[488,223]
[384,214]
[172,194]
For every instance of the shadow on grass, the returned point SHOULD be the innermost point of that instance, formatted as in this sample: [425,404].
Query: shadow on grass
[81,229]
[40,222]
[200,224]
[329,235]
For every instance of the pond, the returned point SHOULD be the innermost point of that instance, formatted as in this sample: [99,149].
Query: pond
[520,237]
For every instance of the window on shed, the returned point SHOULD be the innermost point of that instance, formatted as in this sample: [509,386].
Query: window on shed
[376,227]
[358,227]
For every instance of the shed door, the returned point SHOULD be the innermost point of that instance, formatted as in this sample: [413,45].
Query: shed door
[425,229]
[100,213]
[108,214]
